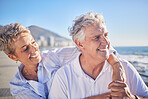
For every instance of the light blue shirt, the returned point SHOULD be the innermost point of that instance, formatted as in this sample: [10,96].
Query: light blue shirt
[51,61]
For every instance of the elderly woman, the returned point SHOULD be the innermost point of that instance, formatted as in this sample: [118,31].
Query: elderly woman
[37,69]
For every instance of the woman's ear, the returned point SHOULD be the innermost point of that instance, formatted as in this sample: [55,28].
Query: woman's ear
[13,57]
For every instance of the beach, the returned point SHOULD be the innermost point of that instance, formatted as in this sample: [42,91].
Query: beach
[8,69]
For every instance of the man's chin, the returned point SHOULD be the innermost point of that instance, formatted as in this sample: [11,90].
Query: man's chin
[105,57]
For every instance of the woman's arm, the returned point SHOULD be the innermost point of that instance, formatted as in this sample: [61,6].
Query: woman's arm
[118,70]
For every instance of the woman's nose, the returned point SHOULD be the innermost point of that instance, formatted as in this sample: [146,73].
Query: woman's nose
[33,48]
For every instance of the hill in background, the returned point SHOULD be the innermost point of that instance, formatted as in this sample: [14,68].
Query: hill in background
[48,38]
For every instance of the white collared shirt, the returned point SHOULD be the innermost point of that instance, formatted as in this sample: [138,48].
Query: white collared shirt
[70,82]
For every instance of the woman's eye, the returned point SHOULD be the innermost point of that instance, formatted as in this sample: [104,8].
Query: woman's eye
[33,42]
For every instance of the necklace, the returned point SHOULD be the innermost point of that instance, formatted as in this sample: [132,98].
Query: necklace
[30,75]
[25,71]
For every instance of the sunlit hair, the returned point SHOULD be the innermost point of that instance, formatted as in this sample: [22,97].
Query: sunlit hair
[90,19]
[8,34]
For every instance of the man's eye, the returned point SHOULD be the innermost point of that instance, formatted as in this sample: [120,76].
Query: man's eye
[26,48]
[106,35]
[97,37]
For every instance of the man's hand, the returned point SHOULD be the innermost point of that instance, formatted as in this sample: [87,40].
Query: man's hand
[102,96]
[120,90]
[118,70]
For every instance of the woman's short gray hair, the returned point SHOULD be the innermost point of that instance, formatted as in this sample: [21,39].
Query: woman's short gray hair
[77,30]
[8,34]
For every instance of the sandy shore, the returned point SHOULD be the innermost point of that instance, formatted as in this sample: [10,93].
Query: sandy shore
[8,69]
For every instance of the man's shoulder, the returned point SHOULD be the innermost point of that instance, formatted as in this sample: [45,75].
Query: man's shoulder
[130,71]
[127,65]
[65,71]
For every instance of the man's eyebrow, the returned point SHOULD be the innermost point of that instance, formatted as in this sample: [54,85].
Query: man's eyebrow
[23,46]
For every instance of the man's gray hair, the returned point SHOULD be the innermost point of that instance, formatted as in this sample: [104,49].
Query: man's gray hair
[77,30]
[8,34]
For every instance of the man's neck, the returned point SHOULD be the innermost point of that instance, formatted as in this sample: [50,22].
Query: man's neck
[91,67]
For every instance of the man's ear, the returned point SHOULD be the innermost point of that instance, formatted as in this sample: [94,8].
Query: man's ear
[13,57]
[79,44]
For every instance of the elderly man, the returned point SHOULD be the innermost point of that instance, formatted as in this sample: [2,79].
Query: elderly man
[90,74]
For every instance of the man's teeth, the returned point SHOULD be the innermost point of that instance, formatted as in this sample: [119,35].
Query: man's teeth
[102,49]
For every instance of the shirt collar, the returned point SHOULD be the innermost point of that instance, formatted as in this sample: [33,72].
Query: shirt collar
[39,73]
[106,67]
[80,73]
[20,67]
[77,68]
[42,73]
[38,87]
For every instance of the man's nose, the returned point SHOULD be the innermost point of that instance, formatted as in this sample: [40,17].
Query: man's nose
[105,40]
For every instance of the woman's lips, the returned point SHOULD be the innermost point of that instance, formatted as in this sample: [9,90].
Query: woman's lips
[34,56]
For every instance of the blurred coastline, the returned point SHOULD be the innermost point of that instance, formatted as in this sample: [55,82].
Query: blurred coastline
[138,57]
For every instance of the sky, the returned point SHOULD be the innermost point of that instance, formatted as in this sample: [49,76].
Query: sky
[126,20]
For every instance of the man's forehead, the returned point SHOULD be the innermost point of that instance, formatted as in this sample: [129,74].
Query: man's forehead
[93,30]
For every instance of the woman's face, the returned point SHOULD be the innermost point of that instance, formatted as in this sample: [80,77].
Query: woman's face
[26,49]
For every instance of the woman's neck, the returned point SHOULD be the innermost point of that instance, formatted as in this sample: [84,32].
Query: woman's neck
[30,72]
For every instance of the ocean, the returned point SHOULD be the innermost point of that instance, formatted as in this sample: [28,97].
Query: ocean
[138,57]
